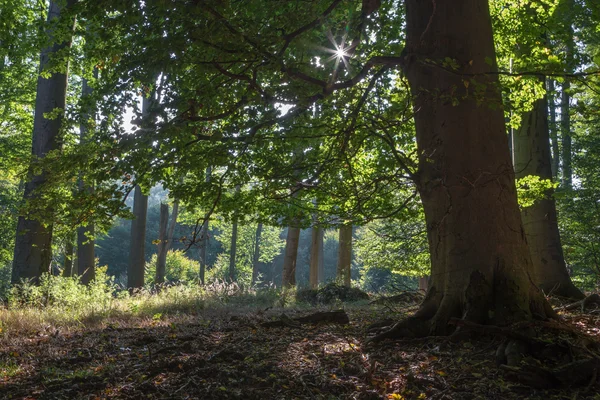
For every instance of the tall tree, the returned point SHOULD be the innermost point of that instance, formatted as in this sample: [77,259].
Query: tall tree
[166,230]
[479,254]
[345,255]
[532,158]
[137,259]
[204,238]
[256,254]
[33,251]
[290,257]
[161,256]
[316,260]
[85,233]
[68,263]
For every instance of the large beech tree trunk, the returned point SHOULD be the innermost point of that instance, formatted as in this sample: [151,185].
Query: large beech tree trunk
[85,233]
[289,259]
[345,255]
[479,254]
[137,259]
[33,250]
[532,157]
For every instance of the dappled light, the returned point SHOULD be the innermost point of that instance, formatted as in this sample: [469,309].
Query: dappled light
[278,199]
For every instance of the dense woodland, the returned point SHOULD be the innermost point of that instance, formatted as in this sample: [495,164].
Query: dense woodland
[299,170]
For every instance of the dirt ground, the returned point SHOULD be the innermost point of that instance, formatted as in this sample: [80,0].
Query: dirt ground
[230,355]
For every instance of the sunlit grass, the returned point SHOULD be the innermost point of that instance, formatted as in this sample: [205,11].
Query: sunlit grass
[60,305]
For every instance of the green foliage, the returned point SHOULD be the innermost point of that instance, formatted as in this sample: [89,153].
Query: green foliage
[179,268]
[271,245]
[65,293]
[532,188]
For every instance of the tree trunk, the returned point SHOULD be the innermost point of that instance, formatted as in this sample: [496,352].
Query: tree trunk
[321,255]
[316,244]
[161,256]
[204,239]
[68,268]
[552,129]
[480,259]
[424,283]
[33,250]
[256,255]
[85,234]
[565,127]
[233,250]
[532,157]
[565,116]
[137,260]
[289,259]
[345,255]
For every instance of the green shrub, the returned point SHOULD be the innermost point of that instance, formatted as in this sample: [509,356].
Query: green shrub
[65,293]
[179,268]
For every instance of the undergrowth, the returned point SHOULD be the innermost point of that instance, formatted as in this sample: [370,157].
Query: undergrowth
[63,303]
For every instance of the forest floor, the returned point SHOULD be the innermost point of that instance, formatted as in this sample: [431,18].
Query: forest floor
[228,354]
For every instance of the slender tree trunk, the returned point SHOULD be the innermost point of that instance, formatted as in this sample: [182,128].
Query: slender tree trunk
[85,233]
[316,244]
[480,259]
[289,259]
[553,130]
[532,157]
[204,239]
[565,116]
[322,255]
[68,267]
[256,255]
[345,255]
[233,251]
[137,259]
[33,250]
[161,256]
[565,125]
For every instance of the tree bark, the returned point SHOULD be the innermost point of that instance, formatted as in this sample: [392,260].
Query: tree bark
[553,130]
[85,234]
[68,267]
[289,259]
[161,256]
[256,254]
[532,157]
[480,259]
[233,251]
[137,259]
[33,250]
[315,260]
[204,238]
[565,116]
[345,255]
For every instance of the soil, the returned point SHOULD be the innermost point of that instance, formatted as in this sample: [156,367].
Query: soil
[229,355]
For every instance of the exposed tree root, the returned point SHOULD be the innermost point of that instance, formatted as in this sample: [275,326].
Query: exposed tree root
[524,356]
[592,299]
